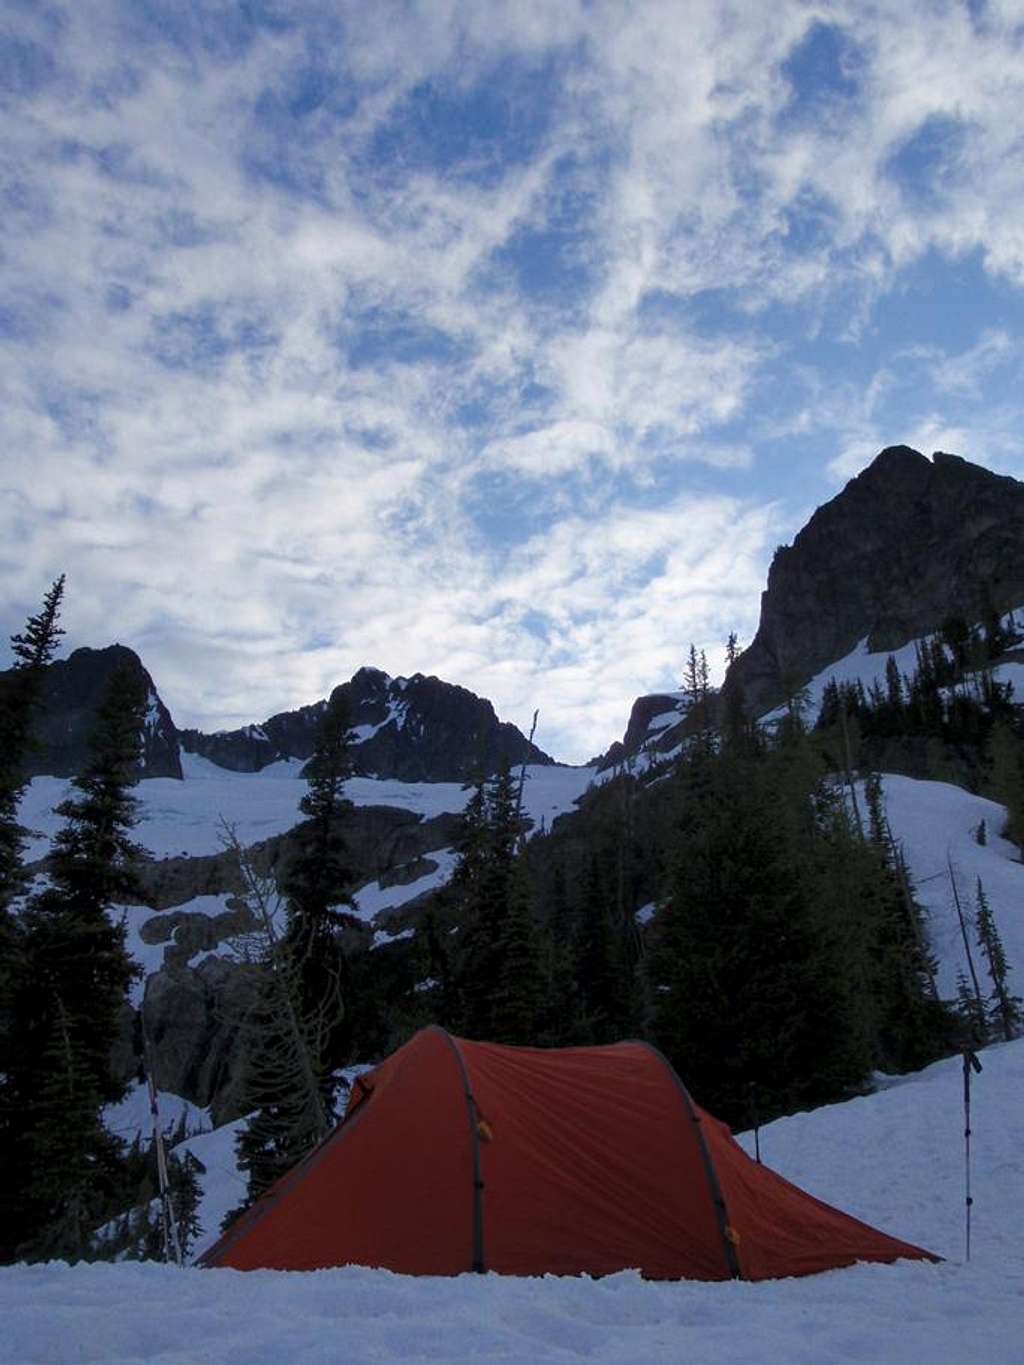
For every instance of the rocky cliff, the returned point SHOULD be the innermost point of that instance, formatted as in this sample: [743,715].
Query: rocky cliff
[906,544]
[72,692]
[416,729]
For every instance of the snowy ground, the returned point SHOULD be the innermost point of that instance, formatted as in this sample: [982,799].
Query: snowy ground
[895,1158]
[937,823]
[185,817]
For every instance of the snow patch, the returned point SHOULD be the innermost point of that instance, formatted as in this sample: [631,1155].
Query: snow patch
[894,1159]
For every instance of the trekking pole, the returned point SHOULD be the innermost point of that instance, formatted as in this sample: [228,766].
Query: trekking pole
[168,1220]
[971,1063]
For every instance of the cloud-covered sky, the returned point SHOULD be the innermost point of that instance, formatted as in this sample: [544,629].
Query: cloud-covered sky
[496,339]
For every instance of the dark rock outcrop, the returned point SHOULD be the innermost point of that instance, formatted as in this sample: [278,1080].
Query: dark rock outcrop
[290,734]
[73,690]
[648,729]
[414,729]
[907,543]
[193,1018]
[193,1011]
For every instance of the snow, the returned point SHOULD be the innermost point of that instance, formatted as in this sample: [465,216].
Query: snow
[895,1158]
[132,1116]
[664,720]
[223,1184]
[1011,673]
[383,937]
[185,817]
[373,898]
[149,956]
[870,669]
[936,823]
[151,721]
[858,664]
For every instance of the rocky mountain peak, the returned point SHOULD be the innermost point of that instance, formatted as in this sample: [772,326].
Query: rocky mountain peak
[417,729]
[72,691]
[907,543]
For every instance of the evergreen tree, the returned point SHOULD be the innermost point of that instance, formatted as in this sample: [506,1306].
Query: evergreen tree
[19,700]
[1005,1010]
[293,1034]
[318,878]
[518,992]
[787,957]
[74,975]
[498,958]
[971,1011]
[284,1038]
[750,979]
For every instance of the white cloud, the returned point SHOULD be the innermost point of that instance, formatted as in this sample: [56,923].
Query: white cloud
[191,439]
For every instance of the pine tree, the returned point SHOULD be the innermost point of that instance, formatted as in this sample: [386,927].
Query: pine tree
[71,994]
[518,992]
[490,892]
[292,1035]
[1005,1010]
[19,701]
[750,979]
[284,1038]
[318,878]
[971,1011]
[20,693]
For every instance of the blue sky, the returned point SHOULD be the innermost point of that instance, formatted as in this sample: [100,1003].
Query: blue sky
[498,341]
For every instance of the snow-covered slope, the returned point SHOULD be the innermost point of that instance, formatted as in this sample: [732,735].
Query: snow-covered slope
[185,817]
[895,1159]
[936,823]
[862,665]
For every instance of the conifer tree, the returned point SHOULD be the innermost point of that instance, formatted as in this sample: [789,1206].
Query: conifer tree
[72,990]
[491,893]
[284,1038]
[518,992]
[292,1036]
[1005,1010]
[317,881]
[971,1010]
[19,701]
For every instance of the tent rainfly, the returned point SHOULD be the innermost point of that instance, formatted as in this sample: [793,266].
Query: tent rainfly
[456,1156]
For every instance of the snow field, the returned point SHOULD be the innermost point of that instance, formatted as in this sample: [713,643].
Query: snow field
[894,1158]
[185,818]
[936,824]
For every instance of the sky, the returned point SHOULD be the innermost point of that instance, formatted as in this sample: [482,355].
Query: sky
[503,342]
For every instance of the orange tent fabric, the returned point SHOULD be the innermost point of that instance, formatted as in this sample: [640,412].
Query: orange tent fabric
[456,1155]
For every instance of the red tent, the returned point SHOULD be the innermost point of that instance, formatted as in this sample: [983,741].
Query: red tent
[456,1156]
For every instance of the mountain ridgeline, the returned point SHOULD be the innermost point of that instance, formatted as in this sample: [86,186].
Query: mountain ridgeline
[416,729]
[907,544]
[721,889]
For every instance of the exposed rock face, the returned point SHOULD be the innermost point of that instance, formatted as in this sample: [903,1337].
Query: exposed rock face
[291,734]
[654,725]
[193,1011]
[72,691]
[414,729]
[193,1018]
[906,544]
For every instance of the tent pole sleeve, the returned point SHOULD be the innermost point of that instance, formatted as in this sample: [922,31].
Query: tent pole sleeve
[714,1188]
[473,1112]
